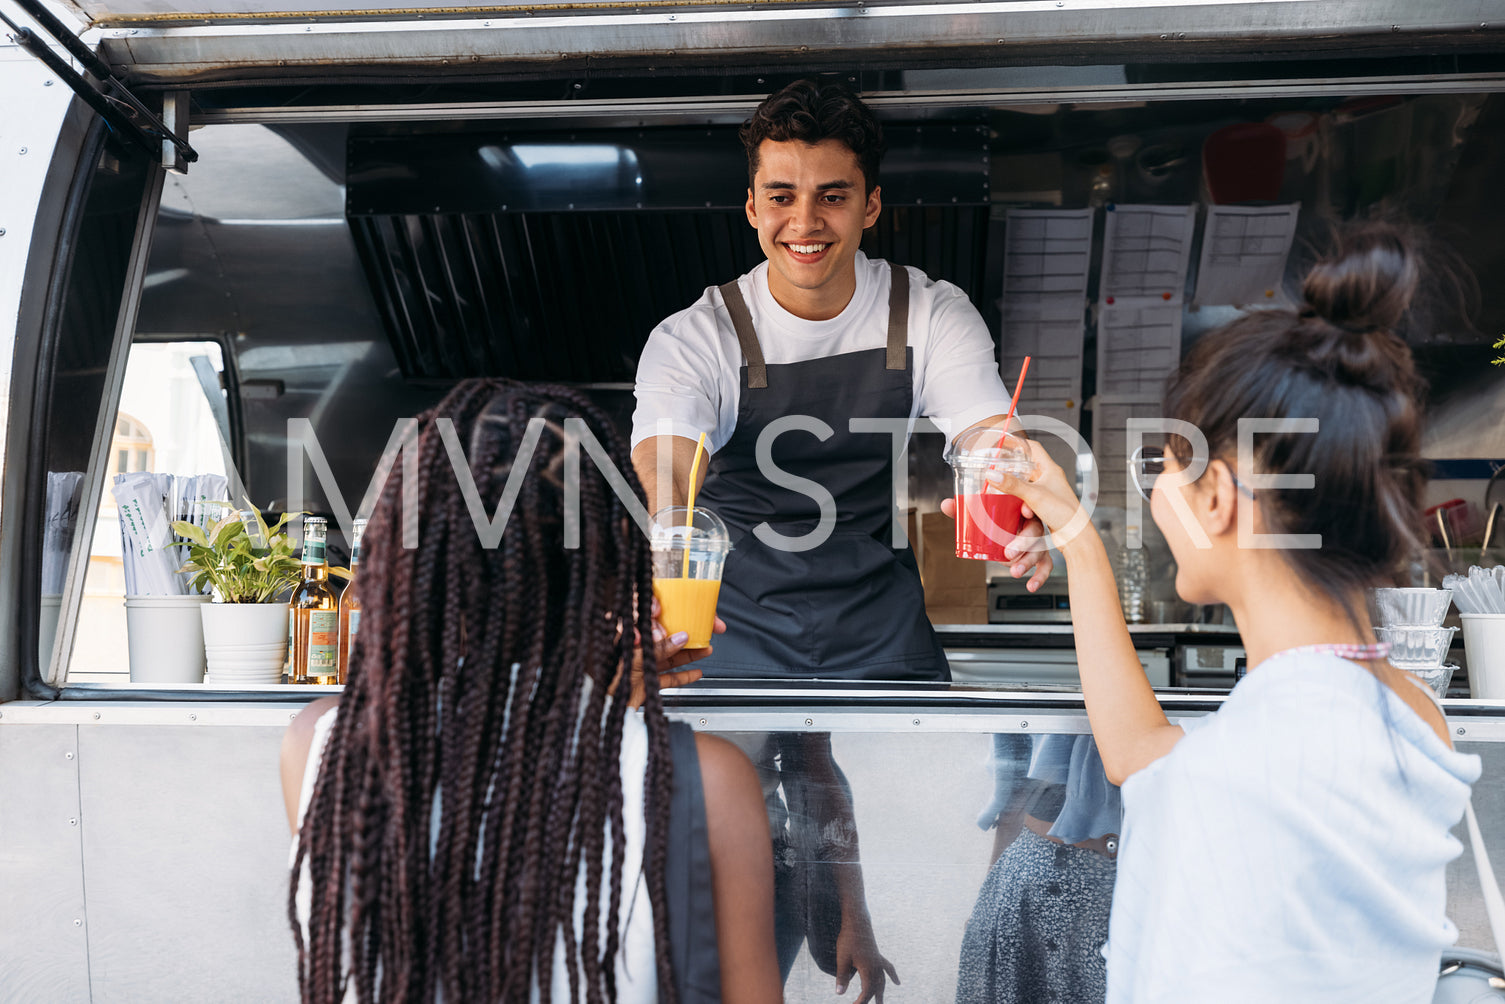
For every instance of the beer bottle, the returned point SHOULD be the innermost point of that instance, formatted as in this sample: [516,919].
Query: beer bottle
[315,612]
[350,603]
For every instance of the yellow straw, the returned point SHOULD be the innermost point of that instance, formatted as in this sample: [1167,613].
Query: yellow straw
[694,471]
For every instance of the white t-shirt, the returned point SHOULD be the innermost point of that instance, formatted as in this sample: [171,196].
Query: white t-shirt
[689,374]
[1293,847]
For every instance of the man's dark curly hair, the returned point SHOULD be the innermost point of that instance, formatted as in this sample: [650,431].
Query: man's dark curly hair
[814,110]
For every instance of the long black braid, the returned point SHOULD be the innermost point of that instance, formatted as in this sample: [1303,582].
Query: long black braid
[480,678]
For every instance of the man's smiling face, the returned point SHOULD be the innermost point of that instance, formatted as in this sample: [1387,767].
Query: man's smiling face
[809,207]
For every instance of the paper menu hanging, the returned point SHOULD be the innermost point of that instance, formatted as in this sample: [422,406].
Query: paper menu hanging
[1244,251]
[1047,252]
[1145,252]
[1141,293]
[1139,344]
[1047,259]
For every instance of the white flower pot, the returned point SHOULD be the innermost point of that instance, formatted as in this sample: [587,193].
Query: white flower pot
[165,638]
[246,640]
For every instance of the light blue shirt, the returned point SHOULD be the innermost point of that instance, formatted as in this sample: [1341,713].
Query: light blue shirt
[1292,847]
[1090,806]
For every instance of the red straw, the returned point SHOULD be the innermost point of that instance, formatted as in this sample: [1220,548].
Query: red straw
[1014,403]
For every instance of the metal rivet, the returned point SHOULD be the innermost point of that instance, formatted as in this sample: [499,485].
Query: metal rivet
[1024,725]
[671,17]
[1462,731]
[78,923]
[917,721]
[1180,34]
[702,722]
[2,231]
[68,755]
[1164,37]
[48,83]
[193,718]
[1395,27]
[96,716]
[578,86]
[23,151]
[308,27]
[809,721]
[485,24]
[73,821]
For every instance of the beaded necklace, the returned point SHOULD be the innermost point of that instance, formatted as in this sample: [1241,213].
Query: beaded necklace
[1356,653]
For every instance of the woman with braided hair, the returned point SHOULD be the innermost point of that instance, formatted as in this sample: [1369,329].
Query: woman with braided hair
[484,817]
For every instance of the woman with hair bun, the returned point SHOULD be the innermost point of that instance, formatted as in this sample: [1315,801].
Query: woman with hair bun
[1293,845]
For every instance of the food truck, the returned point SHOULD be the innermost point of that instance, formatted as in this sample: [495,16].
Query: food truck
[250,241]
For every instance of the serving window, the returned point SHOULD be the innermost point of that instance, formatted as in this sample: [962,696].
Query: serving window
[312,285]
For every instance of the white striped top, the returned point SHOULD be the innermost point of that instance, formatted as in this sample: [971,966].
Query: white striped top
[1292,847]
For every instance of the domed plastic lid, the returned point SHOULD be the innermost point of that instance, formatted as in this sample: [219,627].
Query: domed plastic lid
[676,527]
[987,447]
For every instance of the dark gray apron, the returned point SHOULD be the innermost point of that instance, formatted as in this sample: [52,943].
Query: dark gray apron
[851,608]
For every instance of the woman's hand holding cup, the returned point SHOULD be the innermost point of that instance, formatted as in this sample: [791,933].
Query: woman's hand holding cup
[1046,494]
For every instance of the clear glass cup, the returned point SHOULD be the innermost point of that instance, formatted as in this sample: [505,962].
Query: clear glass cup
[689,554]
[986,519]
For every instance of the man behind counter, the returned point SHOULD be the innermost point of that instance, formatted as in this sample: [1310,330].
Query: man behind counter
[813,341]
[779,368]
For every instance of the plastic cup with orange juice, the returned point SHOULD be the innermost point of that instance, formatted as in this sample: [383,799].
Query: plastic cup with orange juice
[689,553]
[986,518]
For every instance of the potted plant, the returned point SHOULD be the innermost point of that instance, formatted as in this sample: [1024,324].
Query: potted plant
[250,568]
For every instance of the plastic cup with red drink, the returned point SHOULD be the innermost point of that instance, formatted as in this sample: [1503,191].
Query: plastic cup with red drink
[987,520]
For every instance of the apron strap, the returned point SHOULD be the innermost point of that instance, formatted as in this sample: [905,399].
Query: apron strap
[736,306]
[898,317]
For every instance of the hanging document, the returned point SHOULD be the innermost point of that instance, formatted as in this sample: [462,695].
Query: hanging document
[1140,297]
[1244,251]
[1047,257]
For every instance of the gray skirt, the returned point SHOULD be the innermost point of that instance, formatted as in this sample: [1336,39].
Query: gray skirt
[1037,931]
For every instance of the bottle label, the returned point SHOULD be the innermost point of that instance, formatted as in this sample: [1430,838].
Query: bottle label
[315,535]
[355,624]
[323,642]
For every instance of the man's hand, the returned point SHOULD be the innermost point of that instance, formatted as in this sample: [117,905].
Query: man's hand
[857,952]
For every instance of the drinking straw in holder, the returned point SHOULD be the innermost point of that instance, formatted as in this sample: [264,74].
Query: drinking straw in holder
[694,472]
